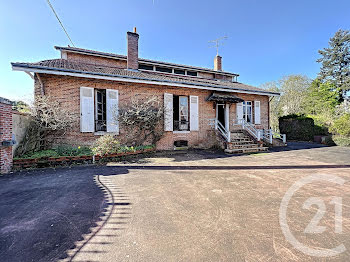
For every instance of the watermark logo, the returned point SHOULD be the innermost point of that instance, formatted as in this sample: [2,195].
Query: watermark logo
[313,227]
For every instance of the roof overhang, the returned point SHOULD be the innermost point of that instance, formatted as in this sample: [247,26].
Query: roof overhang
[132,79]
[224,98]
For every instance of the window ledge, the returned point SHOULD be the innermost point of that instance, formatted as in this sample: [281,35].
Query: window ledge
[181,132]
[101,133]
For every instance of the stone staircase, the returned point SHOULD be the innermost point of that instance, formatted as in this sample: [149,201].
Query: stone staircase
[242,142]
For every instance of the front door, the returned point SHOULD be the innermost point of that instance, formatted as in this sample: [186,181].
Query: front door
[220,114]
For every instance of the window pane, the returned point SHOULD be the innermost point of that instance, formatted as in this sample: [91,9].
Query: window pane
[146,67]
[249,114]
[164,69]
[179,71]
[191,73]
[183,108]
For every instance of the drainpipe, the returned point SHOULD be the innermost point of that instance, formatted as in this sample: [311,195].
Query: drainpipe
[42,89]
[268,111]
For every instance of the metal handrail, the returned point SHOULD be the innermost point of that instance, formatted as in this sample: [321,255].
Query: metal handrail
[218,126]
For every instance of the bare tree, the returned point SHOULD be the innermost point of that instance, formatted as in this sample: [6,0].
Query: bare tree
[49,120]
[142,120]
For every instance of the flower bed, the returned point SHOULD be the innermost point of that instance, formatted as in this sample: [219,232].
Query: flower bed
[47,161]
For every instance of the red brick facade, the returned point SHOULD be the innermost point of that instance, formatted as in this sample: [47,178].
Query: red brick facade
[133,76]
[65,89]
[5,135]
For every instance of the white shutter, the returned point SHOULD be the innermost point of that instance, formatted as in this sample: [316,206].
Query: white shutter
[257,112]
[87,109]
[112,110]
[194,121]
[168,112]
[239,111]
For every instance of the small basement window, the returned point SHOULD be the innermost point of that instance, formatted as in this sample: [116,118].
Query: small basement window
[179,71]
[181,143]
[146,67]
[192,73]
[164,69]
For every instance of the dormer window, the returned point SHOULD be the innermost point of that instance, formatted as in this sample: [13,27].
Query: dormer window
[169,70]
[179,72]
[191,73]
[146,67]
[164,69]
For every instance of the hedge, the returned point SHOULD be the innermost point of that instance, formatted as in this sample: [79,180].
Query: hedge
[299,127]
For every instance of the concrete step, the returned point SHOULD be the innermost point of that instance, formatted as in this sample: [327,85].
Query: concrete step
[238,135]
[243,146]
[242,137]
[242,142]
[246,150]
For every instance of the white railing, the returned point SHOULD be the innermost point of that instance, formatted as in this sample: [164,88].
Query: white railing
[218,126]
[270,134]
[259,134]
[250,128]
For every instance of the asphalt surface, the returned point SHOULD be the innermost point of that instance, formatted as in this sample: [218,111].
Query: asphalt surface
[44,212]
[185,206]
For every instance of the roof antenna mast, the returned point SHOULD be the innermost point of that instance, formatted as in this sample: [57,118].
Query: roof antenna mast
[65,31]
[216,43]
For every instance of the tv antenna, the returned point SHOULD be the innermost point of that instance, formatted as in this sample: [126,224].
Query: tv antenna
[216,43]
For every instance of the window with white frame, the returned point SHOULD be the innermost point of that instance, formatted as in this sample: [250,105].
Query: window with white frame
[247,111]
[180,112]
[98,110]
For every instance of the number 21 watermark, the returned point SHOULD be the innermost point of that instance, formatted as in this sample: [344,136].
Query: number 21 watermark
[313,227]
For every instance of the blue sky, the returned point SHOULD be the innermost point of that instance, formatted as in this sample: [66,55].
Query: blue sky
[267,39]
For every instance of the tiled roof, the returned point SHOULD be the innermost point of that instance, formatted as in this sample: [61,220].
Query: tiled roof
[64,65]
[94,52]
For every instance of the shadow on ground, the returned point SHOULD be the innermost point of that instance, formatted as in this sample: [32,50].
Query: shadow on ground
[44,212]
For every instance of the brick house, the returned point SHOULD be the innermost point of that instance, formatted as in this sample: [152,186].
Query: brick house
[200,104]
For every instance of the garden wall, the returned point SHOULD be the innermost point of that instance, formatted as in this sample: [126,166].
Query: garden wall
[5,135]
[20,123]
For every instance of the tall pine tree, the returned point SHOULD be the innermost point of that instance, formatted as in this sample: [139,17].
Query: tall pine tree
[336,61]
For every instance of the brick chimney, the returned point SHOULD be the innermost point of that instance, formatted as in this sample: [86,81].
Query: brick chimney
[218,63]
[133,50]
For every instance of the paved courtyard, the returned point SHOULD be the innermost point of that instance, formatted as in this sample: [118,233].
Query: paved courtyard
[195,206]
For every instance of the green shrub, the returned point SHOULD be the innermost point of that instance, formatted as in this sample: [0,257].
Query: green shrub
[124,149]
[320,130]
[66,150]
[106,144]
[42,153]
[294,116]
[341,140]
[341,126]
[297,127]
[59,151]
[329,141]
